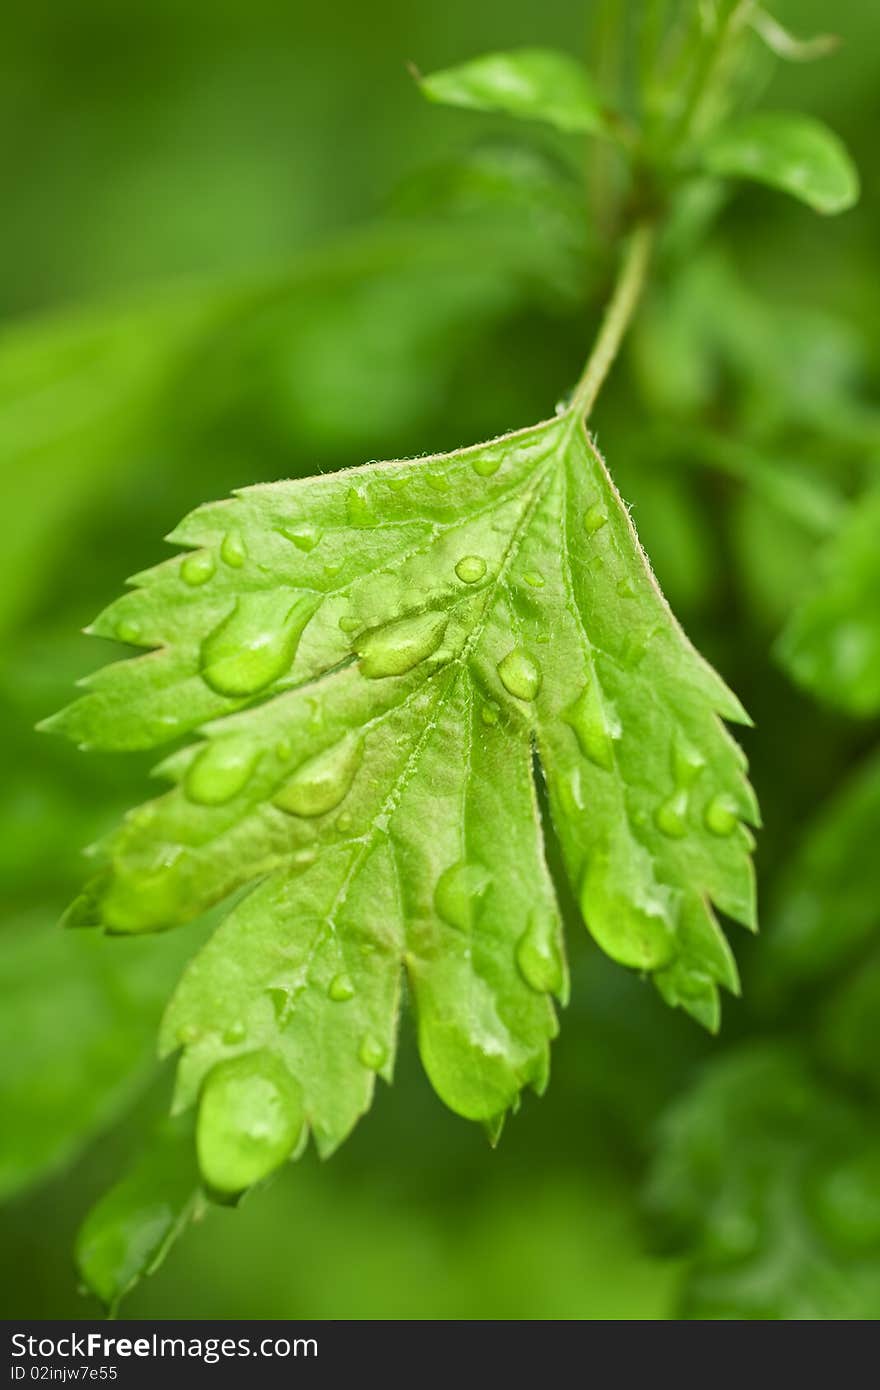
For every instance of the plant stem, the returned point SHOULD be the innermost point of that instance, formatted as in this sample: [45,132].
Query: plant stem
[617,318]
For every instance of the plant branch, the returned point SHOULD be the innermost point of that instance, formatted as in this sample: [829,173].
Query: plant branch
[618,316]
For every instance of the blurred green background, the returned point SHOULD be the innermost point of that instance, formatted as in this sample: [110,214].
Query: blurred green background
[222,260]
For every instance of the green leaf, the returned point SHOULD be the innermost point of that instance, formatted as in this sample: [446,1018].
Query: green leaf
[373,658]
[131,1228]
[536,84]
[773,1183]
[831,644]
[794,153]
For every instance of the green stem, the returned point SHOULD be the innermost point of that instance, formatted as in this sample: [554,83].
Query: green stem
[617,318]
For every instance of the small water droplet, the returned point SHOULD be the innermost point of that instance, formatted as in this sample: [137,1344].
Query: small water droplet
[235,1033]
[250,1118]
[233,551]
[471,569]
[484,465]
[304,536]
[188,1034]
[633,649]
[344,822]
[220,771]
[534,579]
[721,815]
[437,481]
[127,630]
[399,484]
[359,508]
[282,1003]
[400,645]
[639,932]
[322,782]
[256,643]
[458,892]
[687,763]
[626,588]
[349,624]
[341,989]
[372,1053]
[563,405]
[520,674]
[594,729]
[595,518]
[538,955]
[671,816]
[490,712]
[303,858]
[197,568]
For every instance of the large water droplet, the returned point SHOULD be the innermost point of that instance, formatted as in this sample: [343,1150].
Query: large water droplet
[438,482]
[233,551]
[197,568]
[359,508]
[304,536]
[321,783]
[127,630]
[221,770]
[372,1053]
[341,989]
[595,518]
[671,816]
[400,645]
[250,1118]
[484,465]
[235,1033]
[458,892]
[534,579]
[594,729]
[639,933]
[520,674]
[256,643]
[349,624]
[470,569]
[720,815]
[538,955]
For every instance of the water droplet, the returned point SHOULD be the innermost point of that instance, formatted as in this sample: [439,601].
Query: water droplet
[534,579]
[563,405]
[304,536]
[235,1033]
[284,750]
[400,645]
[671,816]
[437,481]
[633,649]
[187,1034]
[484,465]
[220,771]
[282,1004]
[626,588]
[720,815]
[303,858]
[359,508]
[197,568]
[687,763]
[372,1053]
[127,630]
[147,893]
[595,518]
[250,1118]
[349,624]
[233,551]
[520,674]
[458,893]
[341,989]
[490,712]
[470,569]
[538,955]
[594,729]
[256,643]
[399,484]
[320,783]
[639,932]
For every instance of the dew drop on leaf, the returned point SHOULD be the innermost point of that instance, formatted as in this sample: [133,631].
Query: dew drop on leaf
[305,537]
[344,822]
[720,816]
[220,771]
[129,631]
[322,782]
[671,816]
[197,568]
[400,645]
[534,579]
[250,1118]
[595,518]
[594,730]
[520,674]
[471,569]
[438,482]
[255,644]
[637,934]
[349,624]
[341,989]
[626,588]
[359,509]
[538,957]
[458,892]
[490,712]
[235,1033]
[372,1053]
[233,551]
[484,465]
